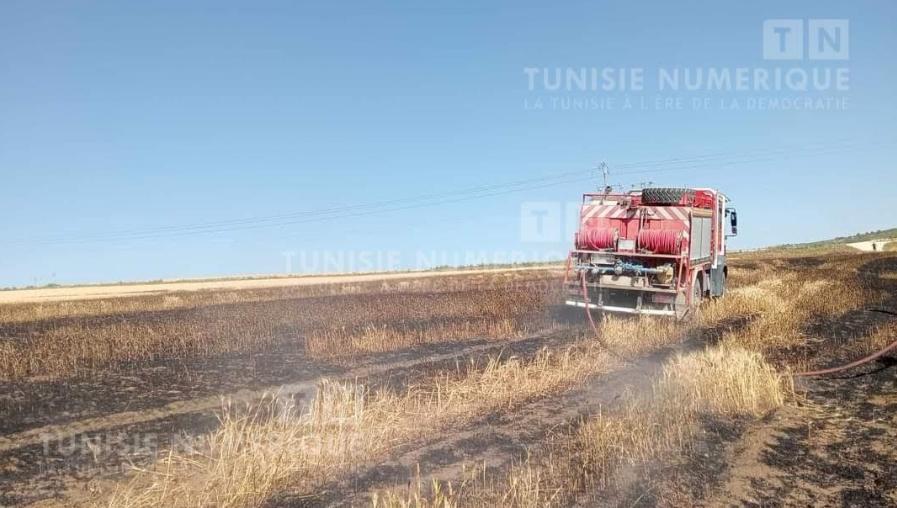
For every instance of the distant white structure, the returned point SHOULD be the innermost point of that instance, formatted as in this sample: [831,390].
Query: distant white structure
[877,245]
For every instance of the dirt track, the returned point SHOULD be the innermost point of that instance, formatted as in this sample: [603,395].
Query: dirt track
[495,440]
[300,389]
[47,451]
[838,449]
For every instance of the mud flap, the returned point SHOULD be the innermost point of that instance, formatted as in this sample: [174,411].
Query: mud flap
[681,306]
[717,283]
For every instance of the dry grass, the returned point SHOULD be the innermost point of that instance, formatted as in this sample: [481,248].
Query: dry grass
[258,452]
[633,337]
[27,312]
[251,456]
[488,314]
[327,326]
[783,306]
[879,337]
[722,380]
[719,381]
[773,304]
[259,457]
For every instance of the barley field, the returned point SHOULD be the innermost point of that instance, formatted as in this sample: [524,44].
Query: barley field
[457,390]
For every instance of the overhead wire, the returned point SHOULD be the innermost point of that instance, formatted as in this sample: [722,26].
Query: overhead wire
[720,159]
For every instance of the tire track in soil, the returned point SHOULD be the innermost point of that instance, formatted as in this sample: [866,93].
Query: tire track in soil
[304,389]
[497,439]
[32,470]
[836,449]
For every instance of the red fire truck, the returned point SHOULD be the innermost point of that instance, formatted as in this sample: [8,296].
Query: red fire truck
[656,251]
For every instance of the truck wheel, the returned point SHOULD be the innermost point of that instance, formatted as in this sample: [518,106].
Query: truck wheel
[665,195]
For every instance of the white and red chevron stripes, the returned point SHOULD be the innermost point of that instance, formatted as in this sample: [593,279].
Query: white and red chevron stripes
[606,212]
[621,212]
[668,213]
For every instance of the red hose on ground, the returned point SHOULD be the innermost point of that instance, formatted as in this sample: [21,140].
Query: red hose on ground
[594,239]
[660,241]
[857,363]
[850,365]
[585,298]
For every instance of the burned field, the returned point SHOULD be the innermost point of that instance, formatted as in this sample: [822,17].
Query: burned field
[139,374]
[460,390]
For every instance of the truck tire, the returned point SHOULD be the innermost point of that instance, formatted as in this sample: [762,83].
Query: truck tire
[665,195]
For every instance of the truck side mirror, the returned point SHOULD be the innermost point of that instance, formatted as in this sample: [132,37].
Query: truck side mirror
[732,225]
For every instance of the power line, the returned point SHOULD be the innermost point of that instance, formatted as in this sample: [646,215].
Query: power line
[335,214]
[716,155]
[723,163]
[380,207]
[323,212]
[432,199]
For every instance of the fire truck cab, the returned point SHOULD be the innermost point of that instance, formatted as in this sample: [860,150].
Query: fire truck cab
[655,251]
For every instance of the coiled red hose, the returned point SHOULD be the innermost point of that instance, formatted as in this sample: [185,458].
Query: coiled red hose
[594,239]
[660,241]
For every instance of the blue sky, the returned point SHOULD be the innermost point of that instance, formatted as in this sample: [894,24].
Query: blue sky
[124,117]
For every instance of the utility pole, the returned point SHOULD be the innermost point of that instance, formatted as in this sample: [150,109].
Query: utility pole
[605,171]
